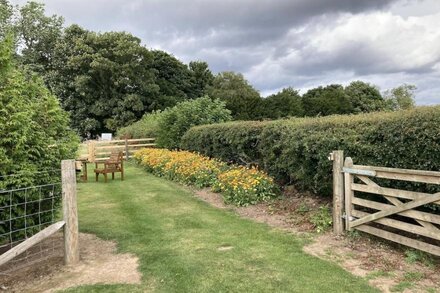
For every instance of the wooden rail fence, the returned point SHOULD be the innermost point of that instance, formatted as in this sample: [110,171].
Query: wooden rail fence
[394,208]
[101,150]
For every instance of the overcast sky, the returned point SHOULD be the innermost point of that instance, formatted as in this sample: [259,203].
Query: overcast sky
[280,43]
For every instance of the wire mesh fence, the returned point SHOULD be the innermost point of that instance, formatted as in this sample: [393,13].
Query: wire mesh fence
[24,212]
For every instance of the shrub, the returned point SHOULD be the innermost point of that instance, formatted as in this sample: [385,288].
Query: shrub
[296,150]
[174,122]
[148,126]
[34,136]
[239,185]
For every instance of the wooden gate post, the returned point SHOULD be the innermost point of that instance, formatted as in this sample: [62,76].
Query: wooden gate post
[349,193]
[91,151]
[126,149]
[338,191]
[70,212]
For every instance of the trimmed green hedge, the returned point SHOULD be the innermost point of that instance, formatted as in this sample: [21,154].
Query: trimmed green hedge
[296,150]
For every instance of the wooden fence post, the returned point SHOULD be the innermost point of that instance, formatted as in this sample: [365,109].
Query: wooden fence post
[91,151]
[126,149]
[349,193]
[338,191]
[70,212]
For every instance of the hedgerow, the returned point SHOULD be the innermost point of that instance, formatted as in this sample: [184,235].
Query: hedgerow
[296,150]
[239,185]
[34,138]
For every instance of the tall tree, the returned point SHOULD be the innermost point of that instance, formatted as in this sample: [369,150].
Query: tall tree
[104,80]
[38,35]
[6,13]
[364,97]
[326,101]
[401,97]
[285,103]
[201,78]
[241,98]
[173,78]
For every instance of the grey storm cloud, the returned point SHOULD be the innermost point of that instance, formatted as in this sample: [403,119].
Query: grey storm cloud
[279,43]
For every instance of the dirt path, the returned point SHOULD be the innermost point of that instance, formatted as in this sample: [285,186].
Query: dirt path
[100,264]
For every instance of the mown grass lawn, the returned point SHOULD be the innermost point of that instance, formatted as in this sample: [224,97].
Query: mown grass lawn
[177,239]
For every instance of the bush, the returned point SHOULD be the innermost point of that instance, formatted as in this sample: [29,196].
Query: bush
[296,150]
[148,126]
[34,136]
[239,185]
[174,122]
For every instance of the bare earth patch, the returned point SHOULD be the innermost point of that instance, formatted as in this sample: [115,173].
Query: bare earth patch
[381,263]
[262,213]
[100,264]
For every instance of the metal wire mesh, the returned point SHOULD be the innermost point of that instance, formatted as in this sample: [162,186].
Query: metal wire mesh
[23,213]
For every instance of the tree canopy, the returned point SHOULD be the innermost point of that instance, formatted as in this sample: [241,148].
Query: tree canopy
[322,101]
[109,80]
[286,103]
[104,80]
[401,97]
[364,97]
[175,121]
[241,98]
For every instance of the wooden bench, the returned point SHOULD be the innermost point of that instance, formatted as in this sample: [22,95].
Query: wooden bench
[113,165]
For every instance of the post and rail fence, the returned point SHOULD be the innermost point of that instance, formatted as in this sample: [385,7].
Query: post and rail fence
[101,150]
[394,214]
[29,216]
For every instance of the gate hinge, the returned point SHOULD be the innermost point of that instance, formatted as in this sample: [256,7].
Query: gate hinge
[344,216]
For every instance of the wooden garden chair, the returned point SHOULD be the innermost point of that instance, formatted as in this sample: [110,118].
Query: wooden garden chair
[113,165]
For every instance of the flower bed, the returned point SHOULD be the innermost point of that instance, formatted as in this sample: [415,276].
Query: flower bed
[239,185]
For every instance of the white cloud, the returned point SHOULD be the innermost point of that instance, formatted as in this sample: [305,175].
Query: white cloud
[379,47]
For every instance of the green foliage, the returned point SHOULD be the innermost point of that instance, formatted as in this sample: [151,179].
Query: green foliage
[358,97]
[286,103]
[6,12]
[148,126]
[413,256]
[364,97]
[103,80]
[174,122]
[39,34]
[323,101]
[235,142]
[296,150]
[34,132]
[322,219]
[241,98]
[201,78]
[401,97]
[173,78]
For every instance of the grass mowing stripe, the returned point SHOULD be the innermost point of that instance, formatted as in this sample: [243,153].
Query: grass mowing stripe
[185,245]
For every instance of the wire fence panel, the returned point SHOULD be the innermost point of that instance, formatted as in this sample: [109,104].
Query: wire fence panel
[23,213]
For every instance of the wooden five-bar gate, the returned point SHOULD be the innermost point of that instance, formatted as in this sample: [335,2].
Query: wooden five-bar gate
[393,214]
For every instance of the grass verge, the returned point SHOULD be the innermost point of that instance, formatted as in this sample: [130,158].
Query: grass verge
[185,245]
